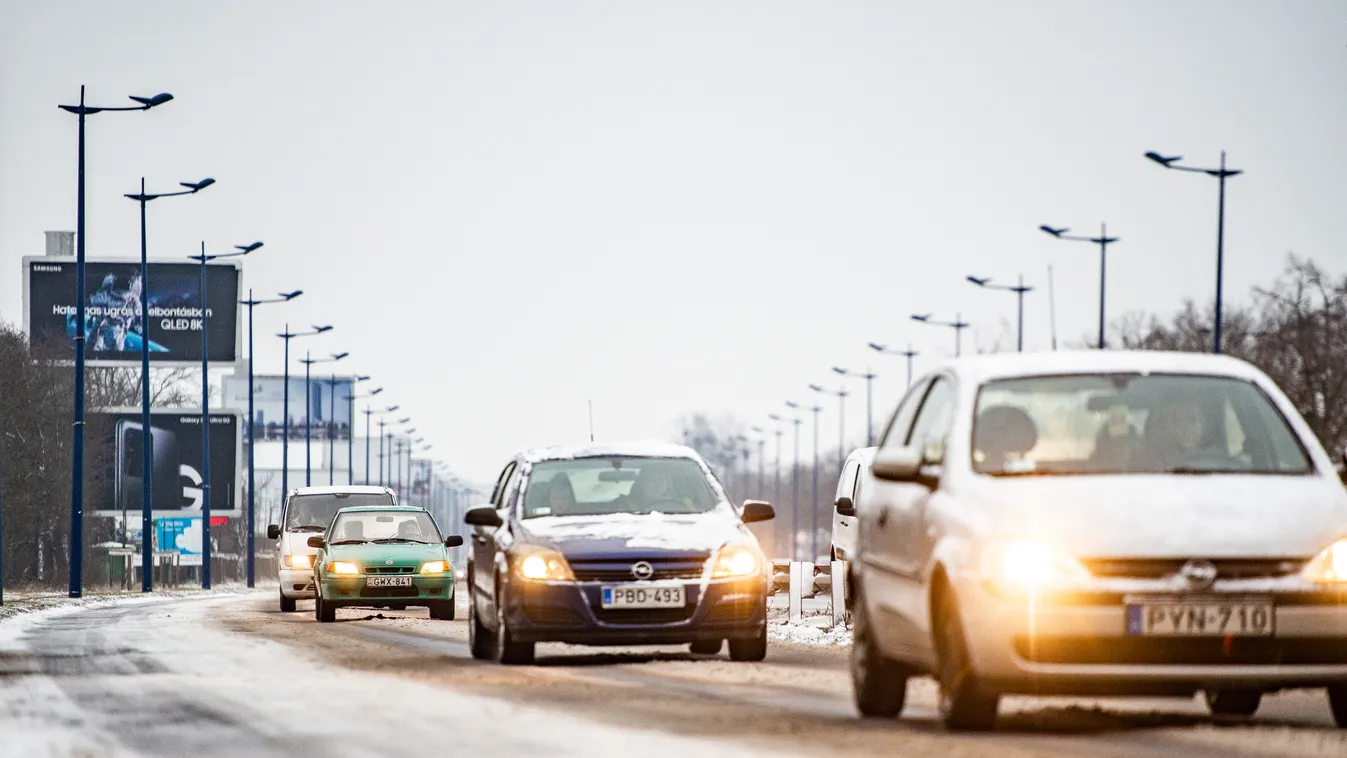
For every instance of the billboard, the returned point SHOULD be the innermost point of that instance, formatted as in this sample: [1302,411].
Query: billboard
[175,455]
[329,409]
[115,323]
[183,535]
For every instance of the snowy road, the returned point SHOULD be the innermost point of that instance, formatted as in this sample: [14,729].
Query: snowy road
[232,676]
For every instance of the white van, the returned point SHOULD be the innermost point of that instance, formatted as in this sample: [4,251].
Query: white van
[309,511]
[855,474]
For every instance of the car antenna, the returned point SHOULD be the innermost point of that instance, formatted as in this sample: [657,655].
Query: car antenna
[591,420]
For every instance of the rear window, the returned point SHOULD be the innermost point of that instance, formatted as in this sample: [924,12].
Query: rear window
[313,513]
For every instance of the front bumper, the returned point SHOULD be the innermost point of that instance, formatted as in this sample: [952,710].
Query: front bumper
[572,612]
[1078,642]
[296,583]
[352,590]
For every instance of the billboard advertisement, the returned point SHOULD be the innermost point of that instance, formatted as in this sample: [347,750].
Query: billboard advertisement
[183,535]
[117,318]
[175,455]
[329,406]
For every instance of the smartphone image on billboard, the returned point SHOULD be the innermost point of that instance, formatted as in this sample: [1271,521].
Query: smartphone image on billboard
[130,480]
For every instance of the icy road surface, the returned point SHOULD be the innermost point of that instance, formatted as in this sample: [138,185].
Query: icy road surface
[233,676]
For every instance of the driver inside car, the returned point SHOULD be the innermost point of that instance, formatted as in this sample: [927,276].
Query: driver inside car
[653,487]
[409,530]
[1179,433]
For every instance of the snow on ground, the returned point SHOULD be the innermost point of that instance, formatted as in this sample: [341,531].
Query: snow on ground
[23,602]
[814,629]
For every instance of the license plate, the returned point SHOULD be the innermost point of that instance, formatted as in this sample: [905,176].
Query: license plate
[644,596]
[388,581]
[1201,618]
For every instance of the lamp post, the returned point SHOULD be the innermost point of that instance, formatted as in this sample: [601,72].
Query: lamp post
[350,426]
[869,377]
[368,411]
[1103,241]
[147,469]
[909,354]
[76,584]
[957,325]
[1019,291]
[284,297]
[762,447]
[285,404]
[308,361]
[382,424]
[239,250]
[813,506]
[841,394]
[795,488]
[1220,174]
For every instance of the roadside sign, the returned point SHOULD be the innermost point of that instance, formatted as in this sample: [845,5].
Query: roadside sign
[183,535]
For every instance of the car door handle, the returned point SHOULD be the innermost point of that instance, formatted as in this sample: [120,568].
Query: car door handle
[883,517]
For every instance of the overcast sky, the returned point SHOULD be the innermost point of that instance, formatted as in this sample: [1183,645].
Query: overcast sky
[509,208]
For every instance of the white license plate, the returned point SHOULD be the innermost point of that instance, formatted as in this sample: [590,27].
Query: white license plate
[1201,618]
[644,596]
[388,581]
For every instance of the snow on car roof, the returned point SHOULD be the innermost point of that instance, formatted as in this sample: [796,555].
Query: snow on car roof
[382,508]
[638,449]
[355,489]
[984,368]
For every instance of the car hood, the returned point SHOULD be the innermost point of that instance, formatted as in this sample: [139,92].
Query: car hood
[369,554]
[1169,516]
[626,534]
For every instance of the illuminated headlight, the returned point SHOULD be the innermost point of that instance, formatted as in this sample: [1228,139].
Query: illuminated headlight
[1330,565]
[342,567]
[297,561]
[735,560]
[542,564]
[435,567]
[1030,566]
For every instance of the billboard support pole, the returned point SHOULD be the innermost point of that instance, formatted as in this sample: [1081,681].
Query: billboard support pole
[252,444]
[205,429]
[146,439]
[308,422]
[332,430]
[77,457]
[285,418]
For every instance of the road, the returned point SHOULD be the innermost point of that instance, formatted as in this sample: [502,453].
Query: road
[233,676]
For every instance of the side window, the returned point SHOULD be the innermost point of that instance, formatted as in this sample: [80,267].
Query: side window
[895,434]
[847,483]
[510,492]
[500,483]
[931,429]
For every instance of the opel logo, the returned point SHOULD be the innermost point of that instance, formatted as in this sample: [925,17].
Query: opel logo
[642,570]
[1200,574]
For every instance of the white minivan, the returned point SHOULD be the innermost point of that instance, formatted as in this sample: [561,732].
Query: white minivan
[309,511]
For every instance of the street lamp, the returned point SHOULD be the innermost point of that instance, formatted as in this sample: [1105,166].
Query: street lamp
[284,297]
[869,377]
[147,475]
[77,430]
[841,394]
[308,362]
[350,426]
[1103,241]
[332,427]
[813,506]
[762,447]
[285,404]
[795,477]
[389,409]
[239,251]
[909,354]
[368,411]
[1019,291]
[1220,174]
[957,325]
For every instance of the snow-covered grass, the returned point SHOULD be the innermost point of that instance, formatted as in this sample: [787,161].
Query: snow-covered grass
[27,601]
[814,629]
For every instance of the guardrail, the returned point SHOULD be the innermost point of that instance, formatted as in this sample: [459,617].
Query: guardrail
[805,579]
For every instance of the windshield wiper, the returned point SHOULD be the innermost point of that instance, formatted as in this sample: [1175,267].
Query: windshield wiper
[385,540]
[308,528]
[347,542]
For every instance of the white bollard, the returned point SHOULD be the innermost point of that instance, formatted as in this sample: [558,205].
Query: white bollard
[796,586]
[839,592]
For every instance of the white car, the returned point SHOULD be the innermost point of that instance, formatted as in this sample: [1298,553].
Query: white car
[308,511]
[1103,523]
[855,473]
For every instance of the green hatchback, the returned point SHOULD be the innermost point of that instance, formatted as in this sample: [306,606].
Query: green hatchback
[384,557]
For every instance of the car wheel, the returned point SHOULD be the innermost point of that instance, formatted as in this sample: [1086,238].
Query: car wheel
[1242,703]
[287,604]
[964,704]
[706,647]
[481,642]
[442,610]
[508,651]
[878,685]
[1337,702]
[751,649]
[323,610]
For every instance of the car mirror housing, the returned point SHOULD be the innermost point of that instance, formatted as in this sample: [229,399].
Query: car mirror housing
[900,464]
[317,542]
[845,507]
[453,540]
[483,515]
[274,531]
[757,510]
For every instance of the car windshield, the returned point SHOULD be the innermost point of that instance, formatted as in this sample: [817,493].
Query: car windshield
[312,513]
[1131,423]
[384,526]
[601,486]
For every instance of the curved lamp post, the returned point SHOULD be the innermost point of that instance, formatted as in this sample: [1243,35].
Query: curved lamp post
[1103,241]
[1019,291]
[957,325]
[308,362]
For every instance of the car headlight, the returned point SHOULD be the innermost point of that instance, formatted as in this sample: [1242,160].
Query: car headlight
[342,567]
[1330,565]
[542,564]
[297,561]
[735,560]
[435,567]
[1029,566]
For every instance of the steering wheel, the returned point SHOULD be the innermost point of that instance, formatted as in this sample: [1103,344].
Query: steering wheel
[678,501]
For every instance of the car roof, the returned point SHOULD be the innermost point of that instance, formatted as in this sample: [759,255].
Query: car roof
[637,449]
[354,489]
[382,509]
[984,368]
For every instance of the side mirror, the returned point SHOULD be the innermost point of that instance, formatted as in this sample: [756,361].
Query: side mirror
[453,540]
[274,531]
[317,542]
[845,507]
[757,510]
[483,515]
[900,464]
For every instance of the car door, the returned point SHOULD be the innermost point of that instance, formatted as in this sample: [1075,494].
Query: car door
[484,552]
[844,527]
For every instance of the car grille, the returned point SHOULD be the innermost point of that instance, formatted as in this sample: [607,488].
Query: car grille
[1172,651]
[733,611]
[639,616]
[389,569]
[550,614]
[620,570]
[388,592]
[1160,568]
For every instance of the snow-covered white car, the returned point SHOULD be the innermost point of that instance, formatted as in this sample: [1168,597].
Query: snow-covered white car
[309,511]
[1103,523]
[855,472]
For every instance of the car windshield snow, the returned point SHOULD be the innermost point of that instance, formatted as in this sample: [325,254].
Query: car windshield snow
[384,526]
[313,513]
[602,486]
[1131,423]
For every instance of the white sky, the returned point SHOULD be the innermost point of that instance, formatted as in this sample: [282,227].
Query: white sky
[508,208]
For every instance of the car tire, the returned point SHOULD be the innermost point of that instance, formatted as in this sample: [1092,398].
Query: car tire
[481,642]
[1337,703]
[508,651]
[287,603]
[441,610]
[324,611]
[706,647]
[1240,703]
[964,704]
[878,684]
[750,650]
